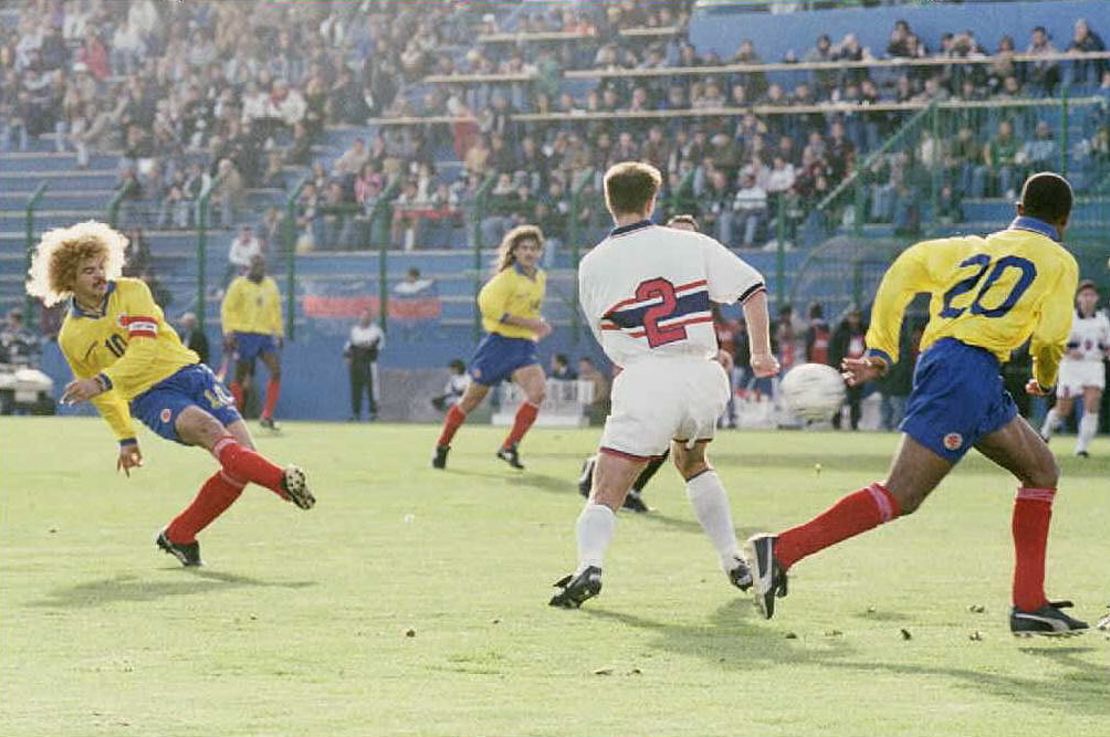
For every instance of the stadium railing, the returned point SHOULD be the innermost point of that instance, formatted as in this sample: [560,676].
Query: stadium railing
[32,204]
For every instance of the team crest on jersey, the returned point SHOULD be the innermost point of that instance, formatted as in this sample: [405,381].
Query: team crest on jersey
[166,415]
[953,441]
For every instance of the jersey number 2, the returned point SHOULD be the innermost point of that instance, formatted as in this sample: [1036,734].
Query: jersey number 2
[983,261]
[659,289]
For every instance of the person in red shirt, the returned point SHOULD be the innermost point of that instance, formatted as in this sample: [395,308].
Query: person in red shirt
[847,342]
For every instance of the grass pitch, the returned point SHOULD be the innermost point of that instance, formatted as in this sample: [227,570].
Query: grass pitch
[414,602]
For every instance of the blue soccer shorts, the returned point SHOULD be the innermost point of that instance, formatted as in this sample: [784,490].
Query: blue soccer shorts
[249,346]
[957,399]
[497,357]
[159,406]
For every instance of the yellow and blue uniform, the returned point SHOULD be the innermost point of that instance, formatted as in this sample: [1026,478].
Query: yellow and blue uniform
[251,311]
[128,346]
[987,297]
[506,348]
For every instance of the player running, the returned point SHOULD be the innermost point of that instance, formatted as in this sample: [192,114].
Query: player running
[510,305]
[130,363]
[988,296]
[251,318]
[646,293]
[1082,374]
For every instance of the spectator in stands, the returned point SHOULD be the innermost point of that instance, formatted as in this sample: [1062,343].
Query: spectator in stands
[817,336]
[999,163]
[848,342]
[353,159]
[413,285]
[560,368]
[137,254]
[193,337]
[455,388]
[229,192]
[598,409]
[1085,40]
[715,208]
[826,79]
[750,210]
[1040,152]
[949,208]
[1042,76]
[19,346]
[364,345]
[337,218]
[240,253]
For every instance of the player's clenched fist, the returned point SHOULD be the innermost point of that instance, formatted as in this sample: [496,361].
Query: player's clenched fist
[764,364]
[129,457]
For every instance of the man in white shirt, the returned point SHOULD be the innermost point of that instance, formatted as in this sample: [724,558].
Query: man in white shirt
[750,206]
[646,294]
[243,249]
[361,354]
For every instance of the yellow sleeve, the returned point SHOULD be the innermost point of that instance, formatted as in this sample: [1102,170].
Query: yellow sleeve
[274,318]
[109,404]
[132,369]
[493,300]
[911,273]
[1050,336]
[230,313]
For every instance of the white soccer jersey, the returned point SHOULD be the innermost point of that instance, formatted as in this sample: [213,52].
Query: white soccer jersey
[646,291]
[1090,336]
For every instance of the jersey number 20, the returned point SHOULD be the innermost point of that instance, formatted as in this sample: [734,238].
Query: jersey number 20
[659,289]
[983,261]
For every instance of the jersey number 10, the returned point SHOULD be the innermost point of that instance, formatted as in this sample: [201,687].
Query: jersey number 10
[983,261]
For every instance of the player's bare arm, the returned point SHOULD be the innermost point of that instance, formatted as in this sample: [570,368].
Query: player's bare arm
[540,327]
[763,361]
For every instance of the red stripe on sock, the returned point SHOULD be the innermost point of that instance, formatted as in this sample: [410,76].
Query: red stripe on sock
[525,416]
[451,423]
[858,512]
[1031,518]
[213,499]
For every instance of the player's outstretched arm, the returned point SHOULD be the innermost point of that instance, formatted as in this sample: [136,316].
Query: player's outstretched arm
[763,362]
[1050,337]
[109,404]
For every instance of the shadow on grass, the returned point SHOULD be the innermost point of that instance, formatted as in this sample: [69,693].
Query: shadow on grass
[735,639]
[127,587]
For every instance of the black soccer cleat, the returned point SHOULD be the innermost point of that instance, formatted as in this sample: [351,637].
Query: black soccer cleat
[1082,454]
[769,577]
[511,455]
[188,554]
[586,479]
[439,460]
[1048,621]
[269,424]
[577,589]
[740,575]
[635,502]
[295,485]
[1104,623]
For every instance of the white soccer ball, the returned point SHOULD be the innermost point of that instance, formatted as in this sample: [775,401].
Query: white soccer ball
[813,391]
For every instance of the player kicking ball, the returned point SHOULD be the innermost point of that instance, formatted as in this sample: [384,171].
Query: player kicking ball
[1081,373]
[130,363]
[646,292]
[988,295]
[510,304]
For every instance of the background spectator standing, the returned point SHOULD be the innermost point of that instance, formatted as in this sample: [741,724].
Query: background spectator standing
[241,252]
[19,346]
[848,342]
[361,351]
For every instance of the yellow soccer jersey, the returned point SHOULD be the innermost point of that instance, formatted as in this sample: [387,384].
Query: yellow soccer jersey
[252,307]
[992,292]
[129,343]
[512,292]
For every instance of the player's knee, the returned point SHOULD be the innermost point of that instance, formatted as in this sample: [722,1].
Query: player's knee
[909,500]
[689,464]
[1045,476]
[537,395]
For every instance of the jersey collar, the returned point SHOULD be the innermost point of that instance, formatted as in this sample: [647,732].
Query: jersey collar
[624,229]
[78,312]
[520,270]
[1035,225]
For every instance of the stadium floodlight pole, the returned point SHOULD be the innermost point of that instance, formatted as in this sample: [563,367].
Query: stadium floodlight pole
[32,203]
[117,201]
[203,208]
[383,251]
[291,254]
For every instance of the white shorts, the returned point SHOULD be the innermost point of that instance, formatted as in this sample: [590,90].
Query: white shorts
[657,400]
[1074,375]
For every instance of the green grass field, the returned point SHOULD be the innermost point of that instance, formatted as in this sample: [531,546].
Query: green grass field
[414,602]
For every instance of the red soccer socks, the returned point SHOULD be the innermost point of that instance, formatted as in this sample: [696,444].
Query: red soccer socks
[241,462]
[525,416]
[853,514]
[451,423]
[1032,514]
[217,494]
[273,391]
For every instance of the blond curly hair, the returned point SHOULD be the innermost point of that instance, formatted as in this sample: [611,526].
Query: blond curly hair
[506,252]
[60,253]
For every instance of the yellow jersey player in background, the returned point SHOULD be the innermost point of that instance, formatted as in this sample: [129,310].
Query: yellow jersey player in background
[988,296]
[510,304]
[251,318]
[130,364]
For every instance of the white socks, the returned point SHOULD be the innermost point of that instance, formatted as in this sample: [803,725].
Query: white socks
[595,531]
[1051,423]
[1088,427]
[711,507]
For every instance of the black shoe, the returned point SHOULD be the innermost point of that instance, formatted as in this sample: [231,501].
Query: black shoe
[635,502]
[577,589]
[187,553]
[769,577]
[439,460]
[1104,623]
[740,575]
[295,485]
[269,424]
[586,480]
[1082,454]
[1048,621]
[511,455]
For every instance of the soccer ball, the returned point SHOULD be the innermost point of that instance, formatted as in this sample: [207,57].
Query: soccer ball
[813,391]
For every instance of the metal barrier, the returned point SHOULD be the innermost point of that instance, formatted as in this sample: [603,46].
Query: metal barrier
[32,203]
